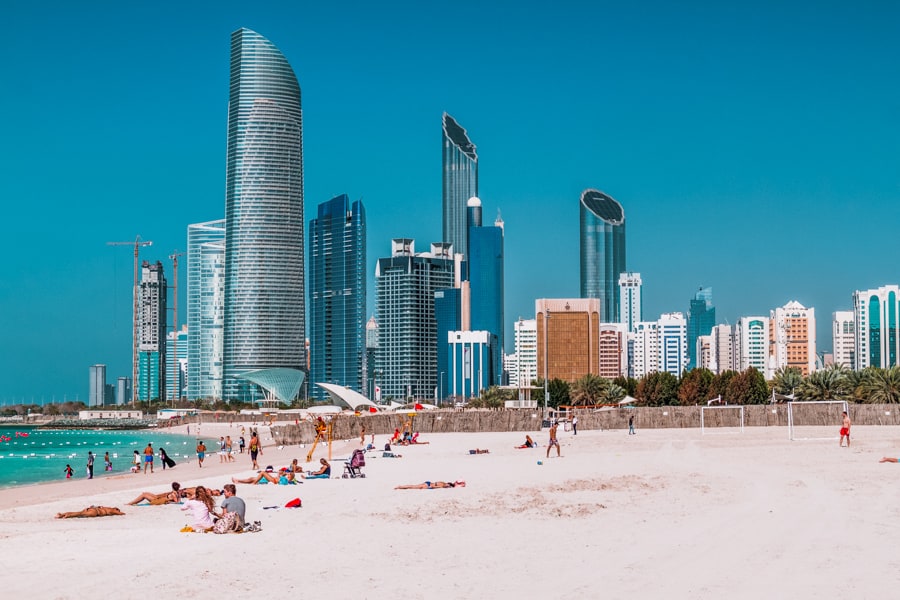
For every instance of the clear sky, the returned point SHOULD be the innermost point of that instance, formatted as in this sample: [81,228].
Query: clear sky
[755,147]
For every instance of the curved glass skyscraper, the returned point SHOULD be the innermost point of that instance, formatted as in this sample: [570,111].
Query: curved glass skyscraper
[264,284]
[602,251]
[460,182]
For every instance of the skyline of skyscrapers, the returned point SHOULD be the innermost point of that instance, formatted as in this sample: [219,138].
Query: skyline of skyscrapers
[460,182]
[337,295]
[265,321]
[602,250]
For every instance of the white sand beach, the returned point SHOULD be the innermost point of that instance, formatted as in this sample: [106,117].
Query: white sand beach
[664,513]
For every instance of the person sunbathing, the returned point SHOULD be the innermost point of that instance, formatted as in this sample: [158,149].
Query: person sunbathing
[267,477]
[529,443]
[415,439]
[431,485]
[172,497]
[479,451]
[324,471]
[91,511]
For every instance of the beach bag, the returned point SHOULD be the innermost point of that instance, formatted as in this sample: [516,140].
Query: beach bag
[227,524]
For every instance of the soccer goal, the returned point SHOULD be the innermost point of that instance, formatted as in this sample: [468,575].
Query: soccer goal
[816,420]
[721,419]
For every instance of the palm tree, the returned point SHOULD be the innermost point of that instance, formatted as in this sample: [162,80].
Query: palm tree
[829,384]
[590,389]
[787,380]
[882,386]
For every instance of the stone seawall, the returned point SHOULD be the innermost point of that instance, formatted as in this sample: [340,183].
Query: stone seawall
[525,420]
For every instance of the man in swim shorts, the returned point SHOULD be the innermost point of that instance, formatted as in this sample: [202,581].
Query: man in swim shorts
[201,453]
[845,429]
[553,440]
[148,458]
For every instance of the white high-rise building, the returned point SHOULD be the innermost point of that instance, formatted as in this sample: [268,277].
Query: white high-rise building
[672,336]
[877,320]
[525,333]
[643,343]
[722,350]
[792,337]
[630,303]
[752,345]
[205,309]
[843,338]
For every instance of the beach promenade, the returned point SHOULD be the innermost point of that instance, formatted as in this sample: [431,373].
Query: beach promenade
[666,513]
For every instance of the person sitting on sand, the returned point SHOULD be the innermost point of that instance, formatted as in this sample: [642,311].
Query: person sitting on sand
[415,439]
[172,497]
[267,477]
[324,471]
[395,437]
[91,511]
[431,485]
[529,443]
[201,505]
[294,467]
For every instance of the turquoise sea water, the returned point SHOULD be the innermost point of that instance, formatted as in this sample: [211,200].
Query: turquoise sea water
[42,455]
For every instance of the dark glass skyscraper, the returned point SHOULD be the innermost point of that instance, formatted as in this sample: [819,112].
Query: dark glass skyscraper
[701,320]
[485,266]
[337,295]
[264,278]
[460,179]
[602,251]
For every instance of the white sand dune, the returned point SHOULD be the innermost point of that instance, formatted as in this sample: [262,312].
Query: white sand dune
[663,514]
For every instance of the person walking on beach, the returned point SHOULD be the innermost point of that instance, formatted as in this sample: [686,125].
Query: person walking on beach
[201,453]
[553,440]
[90,465]
[255,448]
[229,449]
[107,464]
[845,430]
[148,458]
[242,444]
[631,425]
[221,449]
[574,425]
[362,436]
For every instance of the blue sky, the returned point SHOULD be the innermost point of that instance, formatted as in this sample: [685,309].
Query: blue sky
[755,148]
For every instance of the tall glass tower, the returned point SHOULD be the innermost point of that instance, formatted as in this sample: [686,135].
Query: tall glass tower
[701,320]
[152,340]
[602,251]
[460,178]
[205,309]
[337,295]
[264,279]
[485,261]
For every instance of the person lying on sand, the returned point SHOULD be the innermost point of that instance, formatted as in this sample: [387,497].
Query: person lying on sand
[91,511]
[324,471]
[479,451]
[431,485]
[889,459]
[171,497]
[529,443]
[265,478]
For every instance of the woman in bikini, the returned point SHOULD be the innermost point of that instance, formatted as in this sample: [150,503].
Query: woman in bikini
[431,485]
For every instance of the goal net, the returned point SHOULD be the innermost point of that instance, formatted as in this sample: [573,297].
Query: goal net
[815,420]
[721,419]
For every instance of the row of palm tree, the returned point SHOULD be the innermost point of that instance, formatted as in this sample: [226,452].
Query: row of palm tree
[699,386]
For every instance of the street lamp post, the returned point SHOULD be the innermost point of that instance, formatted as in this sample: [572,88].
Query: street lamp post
[546,360]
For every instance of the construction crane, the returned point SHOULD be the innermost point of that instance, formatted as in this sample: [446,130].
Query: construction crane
[137,243]
[176,371]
